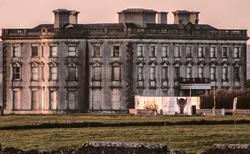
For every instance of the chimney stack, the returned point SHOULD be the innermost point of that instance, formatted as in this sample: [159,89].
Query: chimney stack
[184,17]
[64,17]
[162,17]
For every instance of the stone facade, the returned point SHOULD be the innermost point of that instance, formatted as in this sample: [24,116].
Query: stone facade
[71,67]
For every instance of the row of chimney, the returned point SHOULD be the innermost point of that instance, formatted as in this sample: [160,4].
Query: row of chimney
[140,17]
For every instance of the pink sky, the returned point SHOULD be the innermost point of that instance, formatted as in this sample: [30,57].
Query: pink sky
[29,13]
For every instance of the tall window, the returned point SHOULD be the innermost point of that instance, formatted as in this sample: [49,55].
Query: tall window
[140,73]
[116,51]
[152,73]
[53,73]
[152,51]
[212,52]
[164,51]
[177,50]
[115,99]
[16,72]
[34,51]
[35,99]
[236,73]
[72,72]
[34,73]
[53,51]
[165,73]
[116,73]
[189,52]
[72,51]
[97,76]
[97,51]
[16,51]
[224,52]
[213,73]
[225,73]
[189,72]
[200,72]
[53,99]
[140,51]
[201,52]
[236,52]
[72,99]
[16,99]
[177,71]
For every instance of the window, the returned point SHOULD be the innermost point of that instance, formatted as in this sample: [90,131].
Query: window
[116,73]
[140,73]
[225,73]
[16,73]
[213,73]
[53,51]
[201,52]
[72,72]
[35,99]
[224,52]
[177,72]
[212,52]
[200,72]
[53,73]
[72,51]
[236,73]
[116,50]
[34,73]
[236,52]
[16,51]
[164,51]
[189,52]
[97,76]
[53,99]
[34,51]
[152,73]
[164,73]
[97,51]
[115,99]
[152,51]
[140,51]
[72,99]
[16,99]
[189,72]
[177,51]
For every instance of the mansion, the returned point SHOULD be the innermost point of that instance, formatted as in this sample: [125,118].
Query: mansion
[72,67]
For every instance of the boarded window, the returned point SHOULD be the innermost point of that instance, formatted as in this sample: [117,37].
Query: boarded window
[16,100]
[53,100]
[116,73]
[72,51]
[35,100]
[115,99]
[53,51]
[16,51]
[34,73]
[72,97]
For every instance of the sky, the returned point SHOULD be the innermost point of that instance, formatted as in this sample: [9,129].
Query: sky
[223,14]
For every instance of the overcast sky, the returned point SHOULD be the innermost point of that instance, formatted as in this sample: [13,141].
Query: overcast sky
[29,13]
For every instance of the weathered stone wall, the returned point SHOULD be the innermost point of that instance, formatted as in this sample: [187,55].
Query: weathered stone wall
[228,149]
[98,148]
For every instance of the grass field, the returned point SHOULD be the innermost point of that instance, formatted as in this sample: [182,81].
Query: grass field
[191,138]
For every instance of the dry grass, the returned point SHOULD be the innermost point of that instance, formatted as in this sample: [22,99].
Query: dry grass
[191,138]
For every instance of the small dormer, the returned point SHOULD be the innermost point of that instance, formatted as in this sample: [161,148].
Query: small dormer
[184,17]
[65,17]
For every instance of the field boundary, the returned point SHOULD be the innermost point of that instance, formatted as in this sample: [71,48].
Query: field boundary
[123,124]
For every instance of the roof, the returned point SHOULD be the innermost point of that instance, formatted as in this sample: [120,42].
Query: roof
[184,12]
[138,10]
